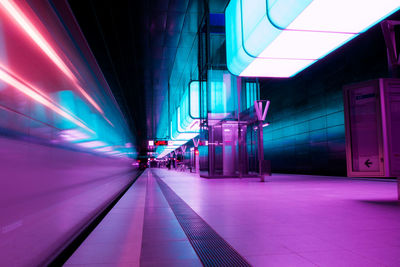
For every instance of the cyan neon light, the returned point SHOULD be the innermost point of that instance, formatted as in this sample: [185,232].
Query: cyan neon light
[188,112]
[172,143]
[251,93]
[162,152]
[279,38]
[194,100]
[221,95]
[186,122]
[218,97]
[176,134]
[183,113]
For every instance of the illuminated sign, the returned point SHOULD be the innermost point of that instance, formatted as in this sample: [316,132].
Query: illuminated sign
[161,143]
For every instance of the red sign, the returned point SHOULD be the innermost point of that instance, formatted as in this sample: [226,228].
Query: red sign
[161,143]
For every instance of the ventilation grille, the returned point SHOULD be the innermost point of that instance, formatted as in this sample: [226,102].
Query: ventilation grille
[211,248]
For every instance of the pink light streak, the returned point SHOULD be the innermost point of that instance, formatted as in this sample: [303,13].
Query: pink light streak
[26,25]
[39,97]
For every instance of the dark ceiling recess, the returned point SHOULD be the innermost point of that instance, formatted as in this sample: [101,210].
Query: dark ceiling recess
[135,44]
[138,45]
[117,33]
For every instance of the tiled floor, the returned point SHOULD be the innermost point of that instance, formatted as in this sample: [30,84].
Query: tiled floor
[117,240]
[298,220]
[164,243]
[291,220]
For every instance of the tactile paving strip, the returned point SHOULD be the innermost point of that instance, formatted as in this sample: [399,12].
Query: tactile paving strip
[211,248]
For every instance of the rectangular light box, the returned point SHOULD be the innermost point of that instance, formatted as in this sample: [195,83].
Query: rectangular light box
[280,38]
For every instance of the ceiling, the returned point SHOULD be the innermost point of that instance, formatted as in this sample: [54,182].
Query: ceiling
[147,50]
[139,45]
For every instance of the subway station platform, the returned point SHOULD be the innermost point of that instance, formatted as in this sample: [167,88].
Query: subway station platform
[99,99]
[170,218]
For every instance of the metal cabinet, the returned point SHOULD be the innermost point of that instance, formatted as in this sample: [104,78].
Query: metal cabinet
[372,121]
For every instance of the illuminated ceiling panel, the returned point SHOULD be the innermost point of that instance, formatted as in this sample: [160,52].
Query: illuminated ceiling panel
[279,38]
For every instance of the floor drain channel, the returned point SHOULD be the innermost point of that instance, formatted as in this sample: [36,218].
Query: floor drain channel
[211,248]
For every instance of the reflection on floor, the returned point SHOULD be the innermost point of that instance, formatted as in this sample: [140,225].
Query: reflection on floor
[291,220]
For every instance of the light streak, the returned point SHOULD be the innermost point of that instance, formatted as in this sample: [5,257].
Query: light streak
[25,24]
[39,97]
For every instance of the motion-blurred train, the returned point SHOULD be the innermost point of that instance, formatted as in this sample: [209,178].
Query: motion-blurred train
[65,147]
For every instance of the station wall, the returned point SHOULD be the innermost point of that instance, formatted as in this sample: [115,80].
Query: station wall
[306,132]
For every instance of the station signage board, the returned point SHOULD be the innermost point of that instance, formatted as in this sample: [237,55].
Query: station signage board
[161,143]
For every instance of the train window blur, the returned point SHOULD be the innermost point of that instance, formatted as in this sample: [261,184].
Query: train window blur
[51,89]
[66,149]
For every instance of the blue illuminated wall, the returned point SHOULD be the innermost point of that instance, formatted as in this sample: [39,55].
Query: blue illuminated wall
[306,134]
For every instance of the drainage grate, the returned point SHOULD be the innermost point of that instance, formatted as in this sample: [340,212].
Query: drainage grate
[211,248]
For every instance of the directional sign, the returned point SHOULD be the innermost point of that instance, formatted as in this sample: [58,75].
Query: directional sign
[368,163]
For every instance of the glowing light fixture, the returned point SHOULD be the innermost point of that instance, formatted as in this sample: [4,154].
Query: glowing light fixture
[176,143]
[166,150]
[188,123]
[279,38]
[184,126]
[182,136]
[194,101]
[188,112]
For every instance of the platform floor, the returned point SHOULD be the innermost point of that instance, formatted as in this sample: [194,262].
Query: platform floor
[290,220]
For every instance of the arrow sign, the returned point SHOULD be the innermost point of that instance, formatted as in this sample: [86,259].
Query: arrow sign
[368,163]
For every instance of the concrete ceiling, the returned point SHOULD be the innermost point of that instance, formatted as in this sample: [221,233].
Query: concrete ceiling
[141,46]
